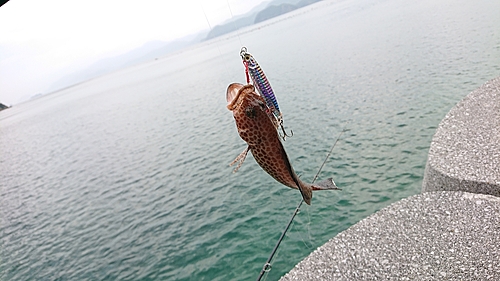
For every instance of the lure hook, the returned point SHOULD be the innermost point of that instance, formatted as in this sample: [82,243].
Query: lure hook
[284,132]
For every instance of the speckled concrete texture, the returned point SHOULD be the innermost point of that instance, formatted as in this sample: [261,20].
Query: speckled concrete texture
[430,236]
[450,234]
[465,151]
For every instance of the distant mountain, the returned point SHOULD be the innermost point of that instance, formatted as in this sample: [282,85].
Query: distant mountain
[258,14]
[155,49]
[3,106]
[236,22]
[149,51]
[219,30]
[274,11]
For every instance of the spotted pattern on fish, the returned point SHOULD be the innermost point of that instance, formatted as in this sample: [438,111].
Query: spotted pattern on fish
[258,131]
[249,113]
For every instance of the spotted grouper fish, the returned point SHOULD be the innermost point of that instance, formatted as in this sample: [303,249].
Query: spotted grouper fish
[259,132]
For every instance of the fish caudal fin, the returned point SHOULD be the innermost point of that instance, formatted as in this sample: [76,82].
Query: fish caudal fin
[307,189]
[327,184]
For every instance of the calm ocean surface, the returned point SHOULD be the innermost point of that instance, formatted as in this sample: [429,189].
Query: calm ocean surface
[126,177]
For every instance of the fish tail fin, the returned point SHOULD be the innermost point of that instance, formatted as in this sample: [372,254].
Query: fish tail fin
[327,184]
[307,189]
[307,193]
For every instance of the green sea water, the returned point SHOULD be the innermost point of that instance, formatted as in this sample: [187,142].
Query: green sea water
[126,177]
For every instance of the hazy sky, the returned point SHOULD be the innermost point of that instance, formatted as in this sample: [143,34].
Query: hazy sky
[41,41]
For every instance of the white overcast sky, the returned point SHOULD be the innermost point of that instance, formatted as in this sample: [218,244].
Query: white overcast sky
[42,40]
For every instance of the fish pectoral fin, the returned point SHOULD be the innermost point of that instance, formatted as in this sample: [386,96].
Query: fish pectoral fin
[327,184]
[240,158]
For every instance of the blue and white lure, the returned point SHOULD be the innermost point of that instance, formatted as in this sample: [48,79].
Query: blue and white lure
[263,86]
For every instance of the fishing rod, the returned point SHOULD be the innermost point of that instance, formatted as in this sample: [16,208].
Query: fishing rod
[271,100]
[267,266]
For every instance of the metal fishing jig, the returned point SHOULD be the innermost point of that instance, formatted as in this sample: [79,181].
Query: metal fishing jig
[261,83]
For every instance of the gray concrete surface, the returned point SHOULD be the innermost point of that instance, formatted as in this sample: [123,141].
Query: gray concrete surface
[465,150]
[431,236]
[450,234]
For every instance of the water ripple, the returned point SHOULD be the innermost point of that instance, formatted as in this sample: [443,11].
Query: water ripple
[127,178]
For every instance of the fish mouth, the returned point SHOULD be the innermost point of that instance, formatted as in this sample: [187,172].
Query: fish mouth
[232,92]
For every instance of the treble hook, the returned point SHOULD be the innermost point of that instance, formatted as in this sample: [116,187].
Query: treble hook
[284,132]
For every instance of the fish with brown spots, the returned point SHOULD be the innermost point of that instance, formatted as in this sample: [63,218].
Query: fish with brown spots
[259,132]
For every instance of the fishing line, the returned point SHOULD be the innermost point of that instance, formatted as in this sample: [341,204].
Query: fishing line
[216,40]
[237,30]
[267,266]
[206,17]
[309,235]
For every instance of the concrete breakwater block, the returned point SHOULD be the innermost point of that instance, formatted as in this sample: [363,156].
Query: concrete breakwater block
[430,236]
[465,150]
